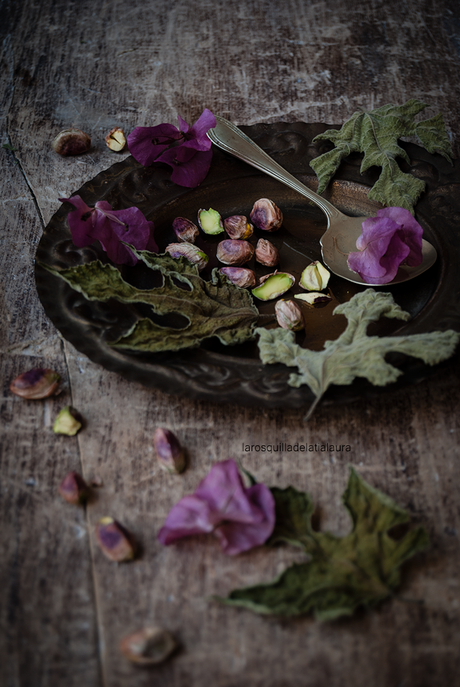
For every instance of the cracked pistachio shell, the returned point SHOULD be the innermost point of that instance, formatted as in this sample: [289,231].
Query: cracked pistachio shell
[266,215]
[169,452]
[289,315]
[71,142]
[36,384]
[313,298]
[116,543]
[73,489]
[266,253]
[238,227]
[116,139]
[69,422]
[273,285]
[315,277]
[185,230]
[210,221]
[234,252]
[148,646]
[240,276]
[188,250]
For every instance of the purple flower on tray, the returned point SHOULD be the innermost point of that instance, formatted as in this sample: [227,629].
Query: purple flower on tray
[388,240]
[240,517]
[110,228]
[186,149]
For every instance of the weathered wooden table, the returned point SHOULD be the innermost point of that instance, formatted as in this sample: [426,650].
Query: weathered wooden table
[63,606]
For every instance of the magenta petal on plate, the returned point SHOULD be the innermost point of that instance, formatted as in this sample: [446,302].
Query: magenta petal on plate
[146,143]
[195,137]
[80,222]
[190,166]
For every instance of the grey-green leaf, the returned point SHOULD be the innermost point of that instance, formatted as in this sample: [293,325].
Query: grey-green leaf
[354,353]
[343,573]
[210,308]
[376,134]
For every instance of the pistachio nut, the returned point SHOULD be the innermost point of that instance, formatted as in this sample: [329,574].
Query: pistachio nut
[188,250]
[116,139]
[289,315]
[266,253]
[266,215]
[210,221]
[315,277]
[314,298]
[273,285]
[185,230]
[148,646]
[240,276]
[36,384]
[115,542]
[169,452]
[234,252]
[73,489]
[69,422]
[71,142]
[238,227]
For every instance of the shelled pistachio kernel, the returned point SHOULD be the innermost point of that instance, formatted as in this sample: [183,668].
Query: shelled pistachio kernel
[210,221]
[36,384]
[69,422]
[115,541]
[74,489]
[169,452]
[116,139]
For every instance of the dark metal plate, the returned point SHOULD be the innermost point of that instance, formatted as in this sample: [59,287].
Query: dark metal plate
[235,374]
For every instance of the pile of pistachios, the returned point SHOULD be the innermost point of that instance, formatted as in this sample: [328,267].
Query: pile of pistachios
[236,251]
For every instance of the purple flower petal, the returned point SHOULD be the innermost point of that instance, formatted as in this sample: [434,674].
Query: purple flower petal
[240,517]
[190,166]
[195,137]
[391,238]
[110,228]
[146,143]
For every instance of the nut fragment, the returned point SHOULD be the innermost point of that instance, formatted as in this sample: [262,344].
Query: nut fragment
[71,142]
[116,139]
[170,454]
[210,221]
[314,298]
[148,646]
[116,543]
[233,252]
[273,285]
[185,230]
[69,421]
[238,227]
[35,384]
[240,276]
[73,489]
[188,250]
[266,253]
[315,277]
[289,315]
[266,215]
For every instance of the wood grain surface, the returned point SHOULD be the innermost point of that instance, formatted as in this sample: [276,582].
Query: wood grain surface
[63,606]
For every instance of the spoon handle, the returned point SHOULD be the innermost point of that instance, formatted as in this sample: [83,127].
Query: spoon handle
[232,140]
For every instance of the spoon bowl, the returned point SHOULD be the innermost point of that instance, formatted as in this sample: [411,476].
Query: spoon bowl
[342,231]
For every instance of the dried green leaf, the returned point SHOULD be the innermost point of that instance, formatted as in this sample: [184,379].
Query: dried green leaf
[376,134]
[354,353]
[360,569]
[212,308]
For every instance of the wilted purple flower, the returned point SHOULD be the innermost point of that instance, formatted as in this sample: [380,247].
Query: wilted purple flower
[187,149]
[240,517]
[391,238]
[110,227]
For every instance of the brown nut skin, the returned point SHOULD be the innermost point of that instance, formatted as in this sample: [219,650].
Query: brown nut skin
[233,252]
[36,384]
[185,230]
[148,646]
[238,227]
[240,276]
[116,543]
[71,142]
[169,452]
[266,215]
[266,253]
[74,489]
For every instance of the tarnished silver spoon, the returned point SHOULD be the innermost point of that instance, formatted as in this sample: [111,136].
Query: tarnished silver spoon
[342,231]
